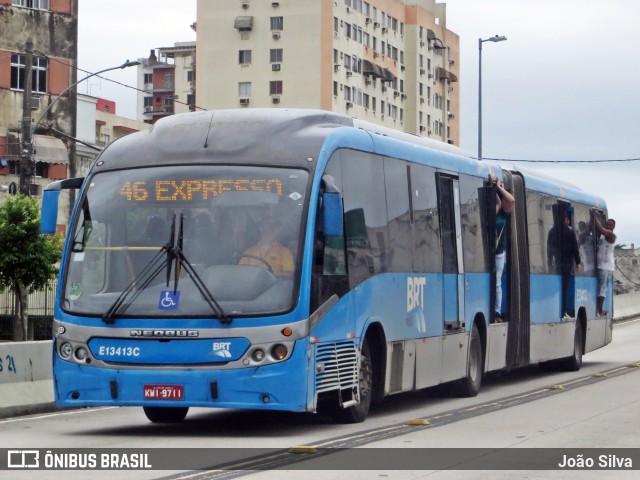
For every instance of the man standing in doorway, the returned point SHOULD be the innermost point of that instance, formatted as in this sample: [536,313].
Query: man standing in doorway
[606,262]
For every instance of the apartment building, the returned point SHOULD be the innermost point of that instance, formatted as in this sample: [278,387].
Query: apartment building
[390,62]
[166,82]
[50,28]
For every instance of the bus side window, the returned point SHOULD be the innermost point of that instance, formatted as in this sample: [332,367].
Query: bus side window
[329,275]
[427,251]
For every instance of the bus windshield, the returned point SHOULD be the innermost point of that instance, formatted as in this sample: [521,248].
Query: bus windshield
[167,241]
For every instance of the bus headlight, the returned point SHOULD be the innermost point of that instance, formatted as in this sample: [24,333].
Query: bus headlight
[82,354]
[257,355]
[279,352]
[66,350]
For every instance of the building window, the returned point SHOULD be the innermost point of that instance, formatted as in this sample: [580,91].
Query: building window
[191,101]
[148,104]
[275,55]
[168,81]
[148,78]
[35,4]
[244,57]
[41,169]
[277,23]
[244,89]
[168,103]
[190,76]
[38,74]
[275,87]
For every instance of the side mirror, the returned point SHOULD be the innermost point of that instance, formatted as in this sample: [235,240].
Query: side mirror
[49,212]
[332,222]
[50,198]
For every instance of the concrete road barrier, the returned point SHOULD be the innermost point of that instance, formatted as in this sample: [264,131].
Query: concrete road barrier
[25,377]
[25,367]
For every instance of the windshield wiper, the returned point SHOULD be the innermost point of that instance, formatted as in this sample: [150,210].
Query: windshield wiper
[181,261]
[172,253]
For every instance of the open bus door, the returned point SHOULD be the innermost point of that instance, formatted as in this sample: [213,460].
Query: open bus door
[518,281]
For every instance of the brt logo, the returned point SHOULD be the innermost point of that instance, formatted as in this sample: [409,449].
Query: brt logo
[415,292]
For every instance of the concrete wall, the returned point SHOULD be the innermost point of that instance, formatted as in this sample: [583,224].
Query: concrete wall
[25,368]
[25,377]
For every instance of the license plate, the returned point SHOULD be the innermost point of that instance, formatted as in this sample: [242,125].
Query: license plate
[163,392]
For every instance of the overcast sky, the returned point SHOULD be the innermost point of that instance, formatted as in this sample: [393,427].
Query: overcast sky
[564,86]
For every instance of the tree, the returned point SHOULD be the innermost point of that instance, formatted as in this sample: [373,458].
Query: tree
[27,258]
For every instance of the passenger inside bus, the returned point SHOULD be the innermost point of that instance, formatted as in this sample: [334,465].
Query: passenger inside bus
[562,252]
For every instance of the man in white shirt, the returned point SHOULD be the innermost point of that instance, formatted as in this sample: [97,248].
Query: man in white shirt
[606,262]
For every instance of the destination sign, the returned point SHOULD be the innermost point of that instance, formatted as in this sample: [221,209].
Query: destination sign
[195,189]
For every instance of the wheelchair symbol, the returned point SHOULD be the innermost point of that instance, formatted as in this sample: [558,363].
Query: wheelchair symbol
[169,300]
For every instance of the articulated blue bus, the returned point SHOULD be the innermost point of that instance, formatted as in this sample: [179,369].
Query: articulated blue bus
[302,260]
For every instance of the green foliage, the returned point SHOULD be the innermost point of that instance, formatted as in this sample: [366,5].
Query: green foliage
[27,257]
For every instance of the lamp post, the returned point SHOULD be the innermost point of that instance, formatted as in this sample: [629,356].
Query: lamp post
[495,38]
[29,131]
[124,65]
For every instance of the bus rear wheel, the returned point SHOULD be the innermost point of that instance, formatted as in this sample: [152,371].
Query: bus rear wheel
[358,413]
[165,414]
[574,362]
[469,386]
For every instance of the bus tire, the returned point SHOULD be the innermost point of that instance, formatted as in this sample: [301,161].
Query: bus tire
[574,362]
[358,413]
[469,386]
[165,414]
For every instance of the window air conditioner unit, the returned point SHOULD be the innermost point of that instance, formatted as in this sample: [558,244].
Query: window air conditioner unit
[245,5]
[349,73]
[396,94]
[276,36]
[421,100]
[384,89]
[244,101]
[422,71]
[422,44]
[430,75]
[367,82]
[275,67]
[422,128]
[35,103]
[376,54]
[452,61]
[429,132]
[451,115]
[385,29]
[349,104]
[403,96]
[376,24]
[275,100]
[336,67]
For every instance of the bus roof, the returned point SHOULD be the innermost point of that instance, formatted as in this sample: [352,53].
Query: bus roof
[279,136]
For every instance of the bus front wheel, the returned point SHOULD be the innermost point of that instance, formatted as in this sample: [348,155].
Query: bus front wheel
[165,414]
[358,413]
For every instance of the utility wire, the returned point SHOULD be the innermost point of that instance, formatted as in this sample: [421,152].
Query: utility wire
[560,161]
[625,276]
[120,83]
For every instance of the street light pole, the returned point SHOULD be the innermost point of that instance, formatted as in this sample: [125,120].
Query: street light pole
[495,38]
[55,100]
[29,128]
